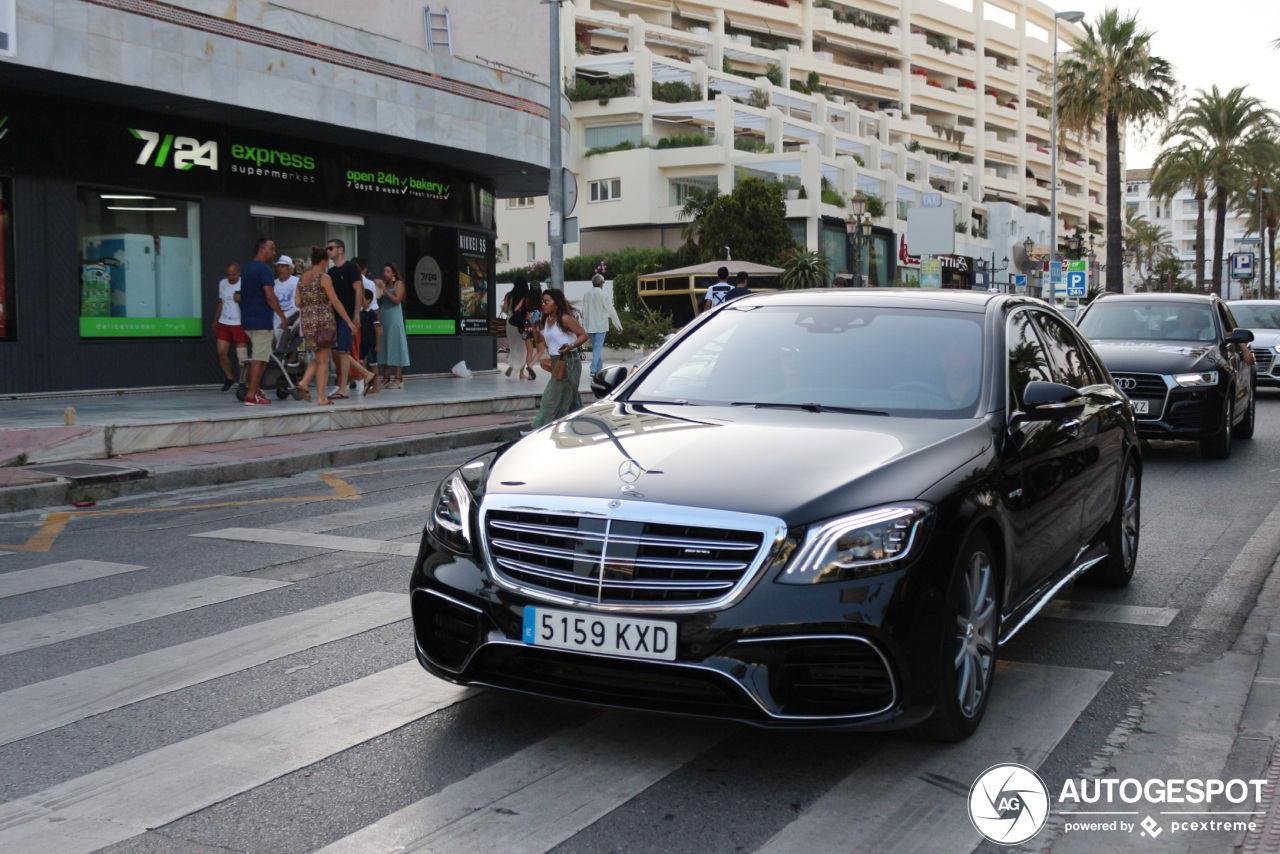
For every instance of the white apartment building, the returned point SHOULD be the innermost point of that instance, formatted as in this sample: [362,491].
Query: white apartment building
[894,98]
[1178,217]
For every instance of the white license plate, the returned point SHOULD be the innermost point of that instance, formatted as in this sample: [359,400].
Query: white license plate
[623,636]
[1141,407]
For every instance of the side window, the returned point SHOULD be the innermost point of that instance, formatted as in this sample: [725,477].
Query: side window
[1228,321]
[1028,360]
[1071,360]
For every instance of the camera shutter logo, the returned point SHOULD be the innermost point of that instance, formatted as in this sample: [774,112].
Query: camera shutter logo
[1008,803]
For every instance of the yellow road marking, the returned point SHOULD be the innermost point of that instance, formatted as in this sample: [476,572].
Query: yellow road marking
[55,523]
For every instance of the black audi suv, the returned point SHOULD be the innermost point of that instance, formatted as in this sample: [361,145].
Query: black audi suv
[1182,361]
[810,509]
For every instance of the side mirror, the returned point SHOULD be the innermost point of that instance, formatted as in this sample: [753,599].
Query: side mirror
[1240,335]
[607,379]
[1042,401]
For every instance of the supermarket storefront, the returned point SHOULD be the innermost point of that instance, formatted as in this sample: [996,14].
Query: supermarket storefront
[116,226]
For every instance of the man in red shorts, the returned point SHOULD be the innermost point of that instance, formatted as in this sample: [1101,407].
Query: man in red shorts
[226,325]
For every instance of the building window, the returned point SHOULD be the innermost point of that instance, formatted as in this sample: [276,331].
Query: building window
[522,202]
[139,265]
[531,252]
[604,191]
[7,320]
[681,187]
[504,253]
[608,136]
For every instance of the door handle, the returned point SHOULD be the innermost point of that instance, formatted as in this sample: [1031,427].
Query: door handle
[1072,426]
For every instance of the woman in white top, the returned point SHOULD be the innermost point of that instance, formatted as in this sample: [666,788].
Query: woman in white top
[560,336]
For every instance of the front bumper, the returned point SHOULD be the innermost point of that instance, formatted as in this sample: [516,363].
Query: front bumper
[783,657]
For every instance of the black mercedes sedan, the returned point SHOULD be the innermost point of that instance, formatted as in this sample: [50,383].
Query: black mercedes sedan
[1184,363]
[810,509]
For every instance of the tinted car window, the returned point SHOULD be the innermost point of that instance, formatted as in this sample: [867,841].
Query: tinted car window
[1072,362]
[1257,316]
[1154,321]
[1028,359]
[914,363]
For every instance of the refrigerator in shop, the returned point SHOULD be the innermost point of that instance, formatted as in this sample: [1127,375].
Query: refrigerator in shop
[132,261]
[176,280]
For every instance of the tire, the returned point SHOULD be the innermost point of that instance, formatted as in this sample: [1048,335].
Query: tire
[967,659]
[1244,430]
[296,393]
[1218,446]
[282,388]
[1116,570]
[241,393]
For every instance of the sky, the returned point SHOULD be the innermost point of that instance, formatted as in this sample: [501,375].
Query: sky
[1224,42]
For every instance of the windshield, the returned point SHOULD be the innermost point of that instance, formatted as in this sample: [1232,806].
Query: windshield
[914,363]
[1153,321]
[1257,316]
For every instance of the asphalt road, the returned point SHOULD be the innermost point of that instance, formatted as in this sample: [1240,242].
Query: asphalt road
[205,672]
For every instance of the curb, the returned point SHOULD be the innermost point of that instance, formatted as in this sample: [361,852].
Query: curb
[64,491]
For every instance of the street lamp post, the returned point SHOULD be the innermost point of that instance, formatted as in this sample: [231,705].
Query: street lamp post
[555,190]
[858,226]
[1073,18]
[1259,194]
[984,267]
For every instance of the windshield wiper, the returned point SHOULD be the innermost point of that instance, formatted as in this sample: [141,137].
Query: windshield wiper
[811,407]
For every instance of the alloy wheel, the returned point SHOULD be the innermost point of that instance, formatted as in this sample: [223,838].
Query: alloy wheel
[976,629]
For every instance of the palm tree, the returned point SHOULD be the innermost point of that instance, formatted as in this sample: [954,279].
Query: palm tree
[1223,124]
[802,268]
[697,201]
[1113,76]
[1149,243]
[1185,166]
[1261,168]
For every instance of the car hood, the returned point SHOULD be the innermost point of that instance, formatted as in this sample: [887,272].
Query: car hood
[1265,337]
[794,465]
[1157,357]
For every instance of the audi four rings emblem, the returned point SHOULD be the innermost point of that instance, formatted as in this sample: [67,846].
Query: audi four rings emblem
[1126,383]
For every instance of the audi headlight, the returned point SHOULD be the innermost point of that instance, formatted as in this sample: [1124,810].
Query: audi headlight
[1206,378]
[452,517]
[865,543]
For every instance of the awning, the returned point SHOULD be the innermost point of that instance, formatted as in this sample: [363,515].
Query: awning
[1040,173]
[857,44]
[763,25]
[697,13]
[612,65]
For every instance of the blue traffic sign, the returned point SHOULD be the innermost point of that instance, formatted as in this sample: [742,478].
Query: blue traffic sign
[1075,283]
[1020,282]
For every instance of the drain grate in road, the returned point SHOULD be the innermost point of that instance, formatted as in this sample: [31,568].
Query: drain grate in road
[86,473]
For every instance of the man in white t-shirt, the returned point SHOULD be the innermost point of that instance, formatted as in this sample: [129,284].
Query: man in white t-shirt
[286,287]
[717,292]
[226,325]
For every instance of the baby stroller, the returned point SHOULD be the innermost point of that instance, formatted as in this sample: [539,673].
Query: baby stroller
[286,364]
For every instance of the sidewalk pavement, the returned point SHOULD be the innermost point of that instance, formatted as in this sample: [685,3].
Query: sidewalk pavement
[62,448]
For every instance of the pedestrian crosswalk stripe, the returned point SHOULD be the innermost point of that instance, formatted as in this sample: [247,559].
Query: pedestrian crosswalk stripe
[537,798]
[71,623]
[318,541]
[362,515]
[47,705]
[1103,612]
[891,803]
[127,799]
[59,575]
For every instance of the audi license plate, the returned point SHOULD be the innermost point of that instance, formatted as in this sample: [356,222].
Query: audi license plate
[623,636]
[1141,407]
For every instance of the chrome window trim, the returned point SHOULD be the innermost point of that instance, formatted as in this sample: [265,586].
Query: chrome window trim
[773,532]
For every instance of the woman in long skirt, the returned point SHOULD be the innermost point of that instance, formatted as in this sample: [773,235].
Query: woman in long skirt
[562,335]
[395,344]
[317,303]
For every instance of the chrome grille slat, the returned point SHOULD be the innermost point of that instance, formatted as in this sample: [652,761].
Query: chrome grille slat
[609,582]
[642,556]
[657,563]
[569,533]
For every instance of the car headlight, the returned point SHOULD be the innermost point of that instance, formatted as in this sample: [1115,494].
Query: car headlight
[1206,378]
[864,543]
[452,517]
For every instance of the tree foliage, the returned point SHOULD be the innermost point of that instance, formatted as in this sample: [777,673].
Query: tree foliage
[802,268]
[751,221]
[1113,77]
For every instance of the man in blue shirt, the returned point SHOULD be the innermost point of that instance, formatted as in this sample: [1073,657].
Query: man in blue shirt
[258,310]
